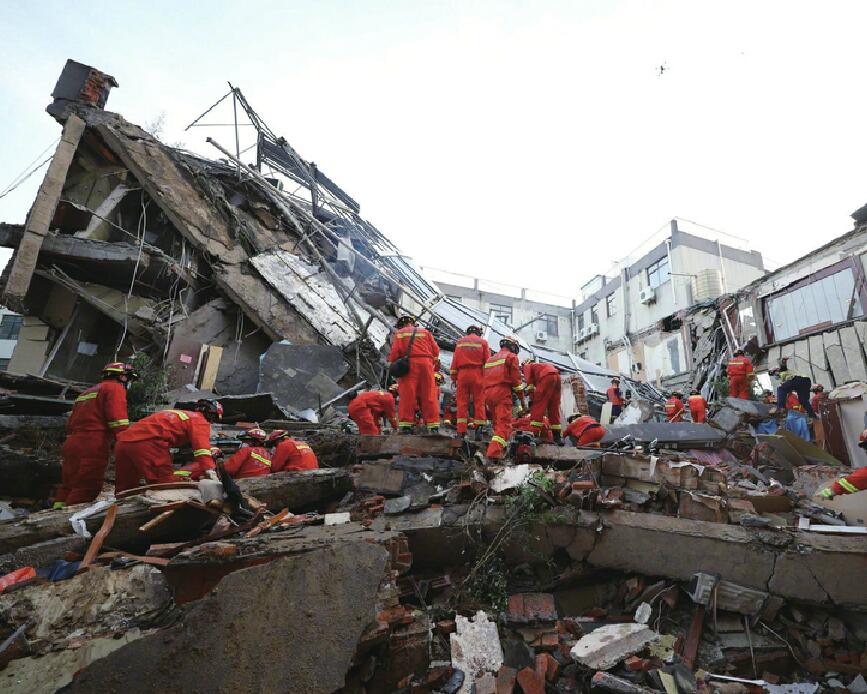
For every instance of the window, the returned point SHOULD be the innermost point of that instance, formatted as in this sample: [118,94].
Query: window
[828,297]
[502,312]
[658,273]
[610,306]
[4,364]
[579,324]
[594,314]
[550,324]
[9,327]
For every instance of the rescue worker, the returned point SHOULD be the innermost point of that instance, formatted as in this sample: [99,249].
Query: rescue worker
[796,417]
[769,425]
[793,382]
[252,458]
[143,450]
[525,423]
[740,373]
[502,377]
[615,397]
[849,484]
[674,408]
[584,430]
[819,395]
[98,415]
[417,389]
[543,384]
[697,407]
[449,410]
[371,407]
[471,353]
[290,455]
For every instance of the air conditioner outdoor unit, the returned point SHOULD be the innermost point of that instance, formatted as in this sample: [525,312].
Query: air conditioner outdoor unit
[647,295]
[541,336]
[592,329]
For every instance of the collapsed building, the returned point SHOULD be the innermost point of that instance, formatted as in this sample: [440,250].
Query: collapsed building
[679,558]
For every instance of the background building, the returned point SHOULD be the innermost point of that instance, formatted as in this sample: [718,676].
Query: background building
[10,325]
[620,321]
[540,319]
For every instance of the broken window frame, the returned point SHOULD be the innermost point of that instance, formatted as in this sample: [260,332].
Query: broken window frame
[594,314]
[10,326]
[610,305]
[501,312]
[579,322]
[658,273]
[857,302]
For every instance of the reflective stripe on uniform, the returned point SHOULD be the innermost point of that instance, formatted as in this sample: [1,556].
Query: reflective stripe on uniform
[462,420]
[826,493]
[87,396]
[118,423]
[848,486]
[183,473]
[409,334]
[433,425]
[183,416]
[261,459]
[302,446]
[406,425]
[518,388]
[470,345]
[480,422]
[556,427]
[499,439]
[201,451]
[536,424]
[496,362]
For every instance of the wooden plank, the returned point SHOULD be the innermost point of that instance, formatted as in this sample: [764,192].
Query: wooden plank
[397,444]
[836,359]
[99,538]
[853,353]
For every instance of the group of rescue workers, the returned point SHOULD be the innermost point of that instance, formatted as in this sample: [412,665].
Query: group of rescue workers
[485,384]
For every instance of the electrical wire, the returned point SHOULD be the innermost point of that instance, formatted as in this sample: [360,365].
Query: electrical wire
[19,179]
[18,184]
[142,227]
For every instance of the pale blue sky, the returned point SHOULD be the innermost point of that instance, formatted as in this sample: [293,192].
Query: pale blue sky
[529,142]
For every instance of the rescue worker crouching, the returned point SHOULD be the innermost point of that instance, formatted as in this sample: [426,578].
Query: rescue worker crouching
[143,450]
[502,378]
[416,389]
[850,484]
[543,384]
[289,454]
[98,416]
[252,459]
[471,354]
[584,430]
[369,408]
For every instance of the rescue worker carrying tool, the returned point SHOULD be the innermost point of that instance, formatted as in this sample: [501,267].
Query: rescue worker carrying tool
[471,353]
[98,415]
[252,458]
[502,377]
[793,382]
[143,450]
[740,373]
[414,358]
[290,455]
[369,408]
[615,397]
[674,408]
[543,385]
[849,484]
[697,407]
[583,430]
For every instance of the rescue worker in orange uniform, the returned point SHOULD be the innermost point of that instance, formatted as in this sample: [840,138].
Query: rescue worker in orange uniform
[471,353]
[290,455]
[416,390]
[819,395]
[697,407]
[502,377]
[369,408]
[525,423]
[543,384]
[584,430]
[674,408]
[796,417]
[615,397]
[143,450]
[740,373]
[98,415]
[849,484]
[251,459]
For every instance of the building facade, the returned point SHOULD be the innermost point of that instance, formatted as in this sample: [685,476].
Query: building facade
[621,320]
[10,326]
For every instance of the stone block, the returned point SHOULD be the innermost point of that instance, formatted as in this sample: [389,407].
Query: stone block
[605,647]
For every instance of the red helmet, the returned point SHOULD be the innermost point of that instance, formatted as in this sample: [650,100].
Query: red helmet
[277,435]
[118,369]
[254,434]
[212,409]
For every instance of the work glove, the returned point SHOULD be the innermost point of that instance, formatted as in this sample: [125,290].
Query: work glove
[826,494]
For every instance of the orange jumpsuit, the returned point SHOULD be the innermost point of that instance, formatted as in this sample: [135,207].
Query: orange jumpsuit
[291,456]
[525,424]
[585,431]
[98,414]
[417,390]
[698,409]
[248,461]
[739,370]
[616,400]
[471,353]
[142,451]
[674,409]
[502,377]
[543,381]
[368,408]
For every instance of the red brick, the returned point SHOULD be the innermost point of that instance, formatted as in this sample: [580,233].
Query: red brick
[636,664]
[583,484]
[531,681]
[552,668]
[506,678]
[525,608]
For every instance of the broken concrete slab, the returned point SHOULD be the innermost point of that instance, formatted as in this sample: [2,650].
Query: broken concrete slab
[370,447]
[605,647]
[269,646]
[669,435]
[836,357]
[475,648]
[298,491]
[302,376]
[853,353]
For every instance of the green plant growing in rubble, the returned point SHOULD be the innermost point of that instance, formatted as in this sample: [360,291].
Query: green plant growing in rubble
[487,580]
[150,388]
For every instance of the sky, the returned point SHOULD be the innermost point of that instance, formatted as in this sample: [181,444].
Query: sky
[532,143]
